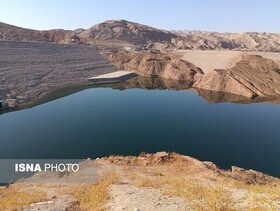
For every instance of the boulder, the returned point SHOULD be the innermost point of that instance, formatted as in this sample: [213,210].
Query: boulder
[161,154]
[236,169]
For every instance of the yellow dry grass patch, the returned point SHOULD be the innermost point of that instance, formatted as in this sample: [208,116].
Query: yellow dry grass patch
[200,196]
[263,196]
[203,190]
[94,197]
[13,199]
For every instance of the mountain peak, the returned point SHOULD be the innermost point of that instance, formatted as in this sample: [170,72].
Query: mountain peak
[131,32]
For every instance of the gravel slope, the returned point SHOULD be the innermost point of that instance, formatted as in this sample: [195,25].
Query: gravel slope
[28,71]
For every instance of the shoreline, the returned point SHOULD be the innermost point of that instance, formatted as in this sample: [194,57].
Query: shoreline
[27,81]
[144,83]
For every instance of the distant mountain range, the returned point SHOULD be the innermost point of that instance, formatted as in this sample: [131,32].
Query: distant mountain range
[125,33]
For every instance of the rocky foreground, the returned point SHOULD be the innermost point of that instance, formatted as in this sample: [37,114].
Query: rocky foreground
[160,181]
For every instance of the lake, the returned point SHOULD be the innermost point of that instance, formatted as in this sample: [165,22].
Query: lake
[98,122]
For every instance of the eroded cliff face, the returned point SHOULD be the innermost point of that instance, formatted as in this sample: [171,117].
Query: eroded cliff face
[154,63]
[249,76]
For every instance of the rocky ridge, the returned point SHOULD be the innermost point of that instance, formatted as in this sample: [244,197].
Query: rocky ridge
[14,33]
[249,76]
[125,33]
[247,41]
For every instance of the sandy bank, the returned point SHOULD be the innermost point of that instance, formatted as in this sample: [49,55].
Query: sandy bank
[208,60]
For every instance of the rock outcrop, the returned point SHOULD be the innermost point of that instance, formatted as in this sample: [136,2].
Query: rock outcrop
[155,63]
[249,76]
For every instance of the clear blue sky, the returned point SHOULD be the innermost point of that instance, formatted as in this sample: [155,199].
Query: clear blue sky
[210,15]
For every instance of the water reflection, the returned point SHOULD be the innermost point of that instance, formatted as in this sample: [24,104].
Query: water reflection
[153,83]
[224,97]
[157,84]
[209,96]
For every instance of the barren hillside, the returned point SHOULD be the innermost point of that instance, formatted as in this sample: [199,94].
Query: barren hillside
[125,33]
[28,71]
[248,41]
[208,60]
[130,32]
[14,33]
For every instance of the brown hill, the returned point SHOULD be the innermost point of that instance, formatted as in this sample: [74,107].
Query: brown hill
[130,32]
[122,33]
[155,63]
[251,41]
[250,76]
[14,33]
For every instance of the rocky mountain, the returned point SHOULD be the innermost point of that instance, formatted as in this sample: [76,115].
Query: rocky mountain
[125,33]
[251,41]
[14,33]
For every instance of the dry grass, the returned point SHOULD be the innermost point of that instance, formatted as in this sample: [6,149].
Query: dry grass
[212,195]
[201,196]
[263,197]
[13,199]
[89,197]
[181,177]
[94,197]
[203,192]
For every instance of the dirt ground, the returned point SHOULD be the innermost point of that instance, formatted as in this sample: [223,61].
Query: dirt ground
[209,60]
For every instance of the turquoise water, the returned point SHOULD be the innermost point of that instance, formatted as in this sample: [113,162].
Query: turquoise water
[103,121]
